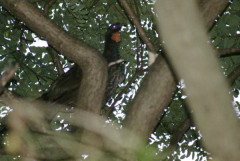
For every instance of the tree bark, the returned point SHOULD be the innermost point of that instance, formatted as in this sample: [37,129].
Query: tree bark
[181,26]
[93,65]
[156,91]
[152,97]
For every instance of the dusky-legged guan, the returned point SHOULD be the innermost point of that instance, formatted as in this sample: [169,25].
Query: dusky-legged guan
[64,89]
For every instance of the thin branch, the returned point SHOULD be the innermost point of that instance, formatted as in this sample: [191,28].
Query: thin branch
[135,20]
[228,52]
[48,5]
[115,62]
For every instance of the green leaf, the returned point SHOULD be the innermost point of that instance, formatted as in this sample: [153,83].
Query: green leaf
[84,12]
[229,42]
[234,20]
[217,41]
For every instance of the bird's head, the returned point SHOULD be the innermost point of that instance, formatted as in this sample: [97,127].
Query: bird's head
[114,32]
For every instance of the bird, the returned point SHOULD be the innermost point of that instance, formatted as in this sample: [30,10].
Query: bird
[115,63]
[64,89]
[112,41]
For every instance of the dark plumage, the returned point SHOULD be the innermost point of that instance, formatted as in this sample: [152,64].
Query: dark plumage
[111,53]
[112,40]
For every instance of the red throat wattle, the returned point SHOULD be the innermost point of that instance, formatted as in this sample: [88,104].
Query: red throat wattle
[116,37]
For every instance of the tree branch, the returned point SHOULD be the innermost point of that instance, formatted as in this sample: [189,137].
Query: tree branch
[181,26]
[181,130]
[48,5]
[149,108]
[227,52]
[36,115]
[152,98]
[144,112]
[93,65]
[132,16]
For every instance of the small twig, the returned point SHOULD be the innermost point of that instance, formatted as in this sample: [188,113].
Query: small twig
[226,52]
[132,16]
[47,6]
[115,62]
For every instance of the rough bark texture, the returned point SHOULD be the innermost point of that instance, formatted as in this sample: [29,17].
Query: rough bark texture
[181,26]
[94,68]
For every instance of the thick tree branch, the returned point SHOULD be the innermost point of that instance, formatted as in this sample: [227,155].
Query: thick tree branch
[144,112]
[93,65]
[59,146]
[180,131]
[181,26]
[152,98]
[159,83]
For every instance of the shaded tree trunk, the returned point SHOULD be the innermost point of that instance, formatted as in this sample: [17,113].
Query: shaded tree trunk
[181,25]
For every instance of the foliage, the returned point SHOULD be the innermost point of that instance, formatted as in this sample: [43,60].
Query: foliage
[225,35]
[87,20]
